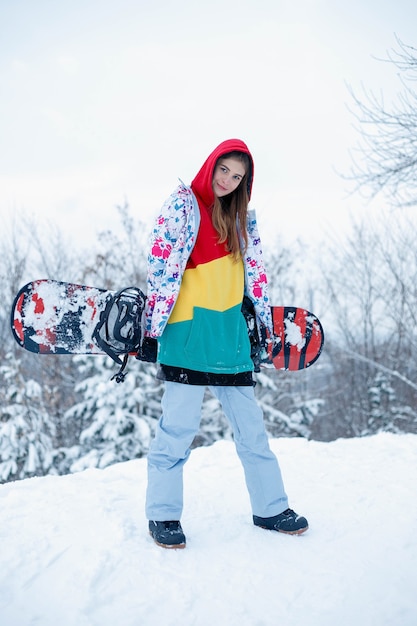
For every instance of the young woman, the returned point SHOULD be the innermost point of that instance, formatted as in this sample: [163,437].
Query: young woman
[205,256]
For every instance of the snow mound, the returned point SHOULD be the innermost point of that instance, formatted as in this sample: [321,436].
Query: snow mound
[75,549]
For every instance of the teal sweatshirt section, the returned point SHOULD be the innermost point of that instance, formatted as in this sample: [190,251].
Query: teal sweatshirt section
[213,341]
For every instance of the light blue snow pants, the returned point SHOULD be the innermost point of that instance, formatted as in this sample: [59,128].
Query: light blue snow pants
[176,429]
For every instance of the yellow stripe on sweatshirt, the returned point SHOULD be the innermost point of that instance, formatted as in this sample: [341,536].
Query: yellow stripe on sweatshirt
[202,286]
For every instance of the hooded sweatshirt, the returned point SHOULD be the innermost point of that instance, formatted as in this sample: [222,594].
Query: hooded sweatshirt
[195,286]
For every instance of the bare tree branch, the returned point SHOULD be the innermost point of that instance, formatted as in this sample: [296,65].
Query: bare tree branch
[385,159]
[382,368]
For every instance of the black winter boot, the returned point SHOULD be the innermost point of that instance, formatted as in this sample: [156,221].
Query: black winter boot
[167,534]
[286,522]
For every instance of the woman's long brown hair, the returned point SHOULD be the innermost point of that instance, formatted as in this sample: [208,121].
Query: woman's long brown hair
[230,212]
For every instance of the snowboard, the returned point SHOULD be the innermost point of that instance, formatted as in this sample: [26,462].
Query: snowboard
[297,341]
[53,317]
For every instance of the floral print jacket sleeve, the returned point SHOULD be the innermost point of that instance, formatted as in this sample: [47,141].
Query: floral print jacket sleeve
[256,282]
[172,241]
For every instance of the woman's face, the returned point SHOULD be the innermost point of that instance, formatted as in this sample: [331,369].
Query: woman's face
[227,176]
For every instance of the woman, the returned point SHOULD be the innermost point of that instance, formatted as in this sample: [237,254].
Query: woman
[205,256]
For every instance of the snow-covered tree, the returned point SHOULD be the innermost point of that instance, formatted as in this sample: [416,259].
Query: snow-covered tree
[118,418]
[26,429]
[387,414]
[290,402]
[213,425]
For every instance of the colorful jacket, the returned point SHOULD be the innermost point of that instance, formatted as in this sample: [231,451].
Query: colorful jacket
[172,240]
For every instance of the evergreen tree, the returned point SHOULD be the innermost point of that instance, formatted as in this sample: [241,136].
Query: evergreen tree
[386,413]
[26,429]
[119,418]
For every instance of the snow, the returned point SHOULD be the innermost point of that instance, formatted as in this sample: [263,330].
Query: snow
[75,549]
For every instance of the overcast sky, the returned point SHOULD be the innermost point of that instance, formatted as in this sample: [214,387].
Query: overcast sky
[105,101]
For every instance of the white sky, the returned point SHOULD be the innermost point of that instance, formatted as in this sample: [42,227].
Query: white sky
[102,101]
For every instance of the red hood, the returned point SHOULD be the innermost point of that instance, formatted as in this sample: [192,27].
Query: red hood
[201,184]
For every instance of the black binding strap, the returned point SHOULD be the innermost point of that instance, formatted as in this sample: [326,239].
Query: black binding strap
[119,329]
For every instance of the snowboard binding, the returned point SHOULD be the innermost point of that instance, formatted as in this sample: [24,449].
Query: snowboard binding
[119,329]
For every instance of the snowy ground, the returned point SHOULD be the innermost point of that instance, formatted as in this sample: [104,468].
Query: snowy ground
[75,550]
